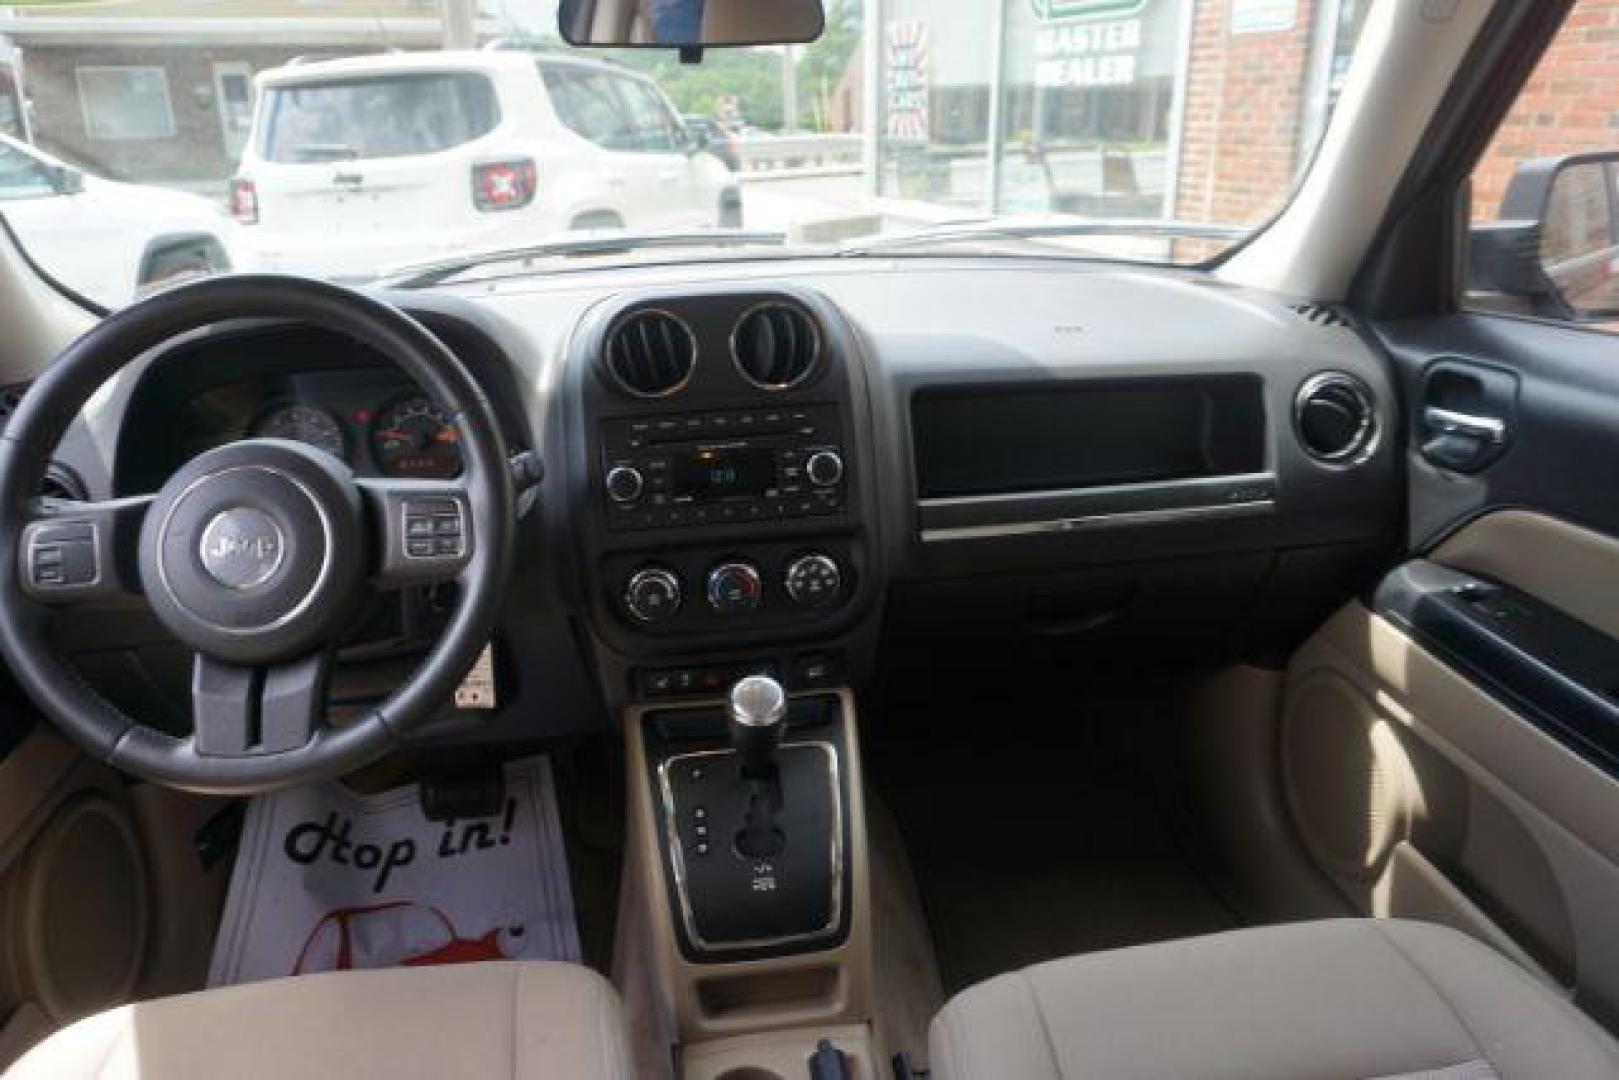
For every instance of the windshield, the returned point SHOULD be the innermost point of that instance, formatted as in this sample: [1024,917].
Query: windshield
[155,140]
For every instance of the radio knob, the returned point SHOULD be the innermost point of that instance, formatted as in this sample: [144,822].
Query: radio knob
[824,468]
[813,580]
[652,595]
[734,587]
[624,483]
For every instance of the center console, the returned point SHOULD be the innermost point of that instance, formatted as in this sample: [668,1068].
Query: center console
[721,499]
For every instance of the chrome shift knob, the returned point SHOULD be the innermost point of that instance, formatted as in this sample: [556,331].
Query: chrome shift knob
[756,709]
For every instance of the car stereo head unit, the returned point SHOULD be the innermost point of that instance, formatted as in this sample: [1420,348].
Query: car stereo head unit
[723,467]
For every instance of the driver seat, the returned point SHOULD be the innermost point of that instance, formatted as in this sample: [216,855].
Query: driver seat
[503,1019]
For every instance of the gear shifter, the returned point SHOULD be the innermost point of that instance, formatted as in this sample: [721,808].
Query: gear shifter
[756,710]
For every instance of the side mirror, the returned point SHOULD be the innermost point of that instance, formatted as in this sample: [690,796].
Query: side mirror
[66,180]
[696,140]
[1555,249]
[689,24]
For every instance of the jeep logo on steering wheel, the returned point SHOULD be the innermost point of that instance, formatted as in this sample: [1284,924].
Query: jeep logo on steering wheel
[242,548]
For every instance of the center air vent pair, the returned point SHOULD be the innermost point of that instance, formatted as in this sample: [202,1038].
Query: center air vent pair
[652,353]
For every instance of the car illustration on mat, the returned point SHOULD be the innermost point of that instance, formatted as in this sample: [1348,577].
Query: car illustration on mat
[400,933]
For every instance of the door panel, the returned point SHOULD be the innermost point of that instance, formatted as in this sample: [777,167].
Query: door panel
[1450,746]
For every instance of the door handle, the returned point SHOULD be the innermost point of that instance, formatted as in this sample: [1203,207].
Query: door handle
[1490,430]
[348,179]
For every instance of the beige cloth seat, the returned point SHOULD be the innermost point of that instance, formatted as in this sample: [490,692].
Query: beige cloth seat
[1353,998]
[559,1021]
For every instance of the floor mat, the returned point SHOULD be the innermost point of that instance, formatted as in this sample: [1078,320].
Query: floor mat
[327,879]
[1039,846]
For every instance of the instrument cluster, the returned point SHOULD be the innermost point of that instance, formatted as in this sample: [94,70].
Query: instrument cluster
[407,436]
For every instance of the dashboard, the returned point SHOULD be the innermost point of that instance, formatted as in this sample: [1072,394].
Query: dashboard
[833,469]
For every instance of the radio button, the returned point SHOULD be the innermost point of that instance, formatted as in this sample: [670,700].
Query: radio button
[824,468]
[734,587]
[625,483]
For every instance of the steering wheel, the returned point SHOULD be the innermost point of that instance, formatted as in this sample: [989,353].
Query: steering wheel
[254,555]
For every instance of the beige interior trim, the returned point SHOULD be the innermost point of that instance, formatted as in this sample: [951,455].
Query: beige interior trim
[1567,566]
[776,1054]
[647,927]
[1517,777]
[1496,747]
[1412,887]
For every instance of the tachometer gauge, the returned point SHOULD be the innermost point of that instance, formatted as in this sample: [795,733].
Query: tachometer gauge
[411,437]
[306,424]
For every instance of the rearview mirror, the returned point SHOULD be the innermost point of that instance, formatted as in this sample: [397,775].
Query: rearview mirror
[1554,251]
[689,24]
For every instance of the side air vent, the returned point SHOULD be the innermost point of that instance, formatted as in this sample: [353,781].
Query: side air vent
[651,354]
[1320,314]
[1335,418]
[61,482]
[10,398]
[776,346]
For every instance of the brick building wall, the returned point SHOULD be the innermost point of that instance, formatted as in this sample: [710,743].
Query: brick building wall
[1570,104]
[1243,115]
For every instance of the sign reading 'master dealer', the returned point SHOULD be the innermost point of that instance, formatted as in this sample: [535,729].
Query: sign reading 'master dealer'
[1052,10]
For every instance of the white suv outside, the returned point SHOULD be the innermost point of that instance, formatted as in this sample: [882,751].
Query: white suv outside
[357,165]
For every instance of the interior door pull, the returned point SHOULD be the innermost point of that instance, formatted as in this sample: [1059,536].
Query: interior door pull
[1487,429]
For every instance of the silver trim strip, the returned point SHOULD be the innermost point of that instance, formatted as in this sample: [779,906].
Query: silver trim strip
[678,863]
[1120,519]
[1167,487]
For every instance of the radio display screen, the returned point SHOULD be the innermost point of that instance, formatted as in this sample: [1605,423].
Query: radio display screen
[707,475]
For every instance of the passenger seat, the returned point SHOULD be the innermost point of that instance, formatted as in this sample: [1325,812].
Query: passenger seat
[1351,998]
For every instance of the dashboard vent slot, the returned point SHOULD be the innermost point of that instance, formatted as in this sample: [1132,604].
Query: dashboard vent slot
[1320,314]
[1335,418]
[651,354]
[776,346]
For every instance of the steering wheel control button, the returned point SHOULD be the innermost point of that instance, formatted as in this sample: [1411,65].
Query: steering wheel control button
[625,484]
[434,529]
[734,588]
[652,596]
[813,580]
[242,548]
[62,556]
[824,468]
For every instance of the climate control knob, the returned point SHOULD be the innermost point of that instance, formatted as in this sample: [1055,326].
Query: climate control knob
[652,595]
[813,580]
[624,483]
[824,468]
[734,587]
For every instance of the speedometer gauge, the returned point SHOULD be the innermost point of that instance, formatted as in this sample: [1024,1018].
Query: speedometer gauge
[306,424]
[413,438]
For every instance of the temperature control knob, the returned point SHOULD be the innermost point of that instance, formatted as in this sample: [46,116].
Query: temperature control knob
[813,580]
[624,483]
[652,595]
[734,587]
[824,468]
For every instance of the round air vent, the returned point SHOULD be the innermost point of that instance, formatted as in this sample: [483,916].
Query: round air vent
[776,346]
[1334,417]
[61,482]
[651,353]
